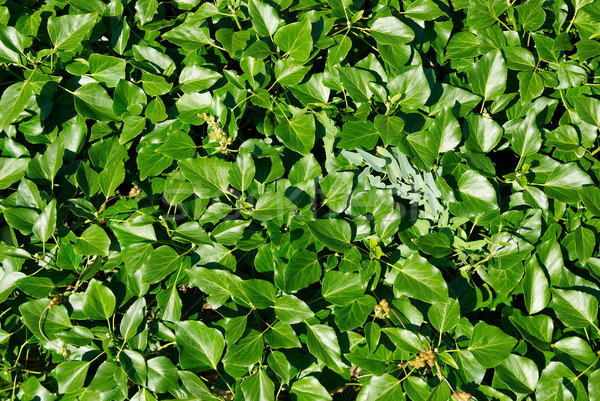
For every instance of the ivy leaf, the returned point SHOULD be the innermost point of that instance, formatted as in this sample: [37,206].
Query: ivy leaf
[302,270]
[264,18]
[335,234]
[298,133]
[574,308]
[200,347]
[487,77]
[71,375]
[209,176]
[382,388]
[98,302]
[93,241]
[92,101]
[391,31]
[322,342]
[67,32]
[258,387]
[419,279]
[295,39]
[490,345]
[44,227]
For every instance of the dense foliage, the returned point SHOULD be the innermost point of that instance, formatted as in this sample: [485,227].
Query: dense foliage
[299,199]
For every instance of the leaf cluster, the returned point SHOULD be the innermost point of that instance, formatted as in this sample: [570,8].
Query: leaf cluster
[296,199]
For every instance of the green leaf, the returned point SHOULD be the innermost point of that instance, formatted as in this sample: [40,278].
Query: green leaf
[391,31]
[550,386]
[178,146]
[334,234]
[209,176]
[337,187]
[12,45]
[355,313]
[11,170]
[13,101]
[111,177]
[242,173]
[258,387]
[517,374]
[189,38]
[418,279]
[162,375]
[462,45]
[200,348]
[358,134]
[196,79]
[68,31]
[355,82]
[107,69]
[247,351]
[155,85]
[490,345]
[425,10]
[92,101]
[591,199]
[531,85]
[574,308]
[535,287]
[93,241]
[309,389]
[410,88]
[295,39]
[527,139]
[519,59]
[298,133]
[71,375]
[272,205]
[487,77]
[134,365]
[382,388]
[145,10]
[389,128]
[322,343]
[341,288]
[483,13]
[444,316]
[132,319]
[483,134]
[52,321]
[564,182]
[45,225]
[290,309]
[435,244]
[281,335]
[264,18]
[530,14]
[475,195]
[588,109]
[580,243]
[302,270]
[98,302]
[162,262]
[127,97]
[37,287]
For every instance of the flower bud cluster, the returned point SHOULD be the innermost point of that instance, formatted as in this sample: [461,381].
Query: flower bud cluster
[426,356]
[382,310]
[134,191]
[462,396]
[216,132]
[53,302]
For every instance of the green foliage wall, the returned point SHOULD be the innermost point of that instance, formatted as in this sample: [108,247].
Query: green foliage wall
[299,200]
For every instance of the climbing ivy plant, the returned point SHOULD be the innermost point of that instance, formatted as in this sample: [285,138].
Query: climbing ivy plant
[299,200]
